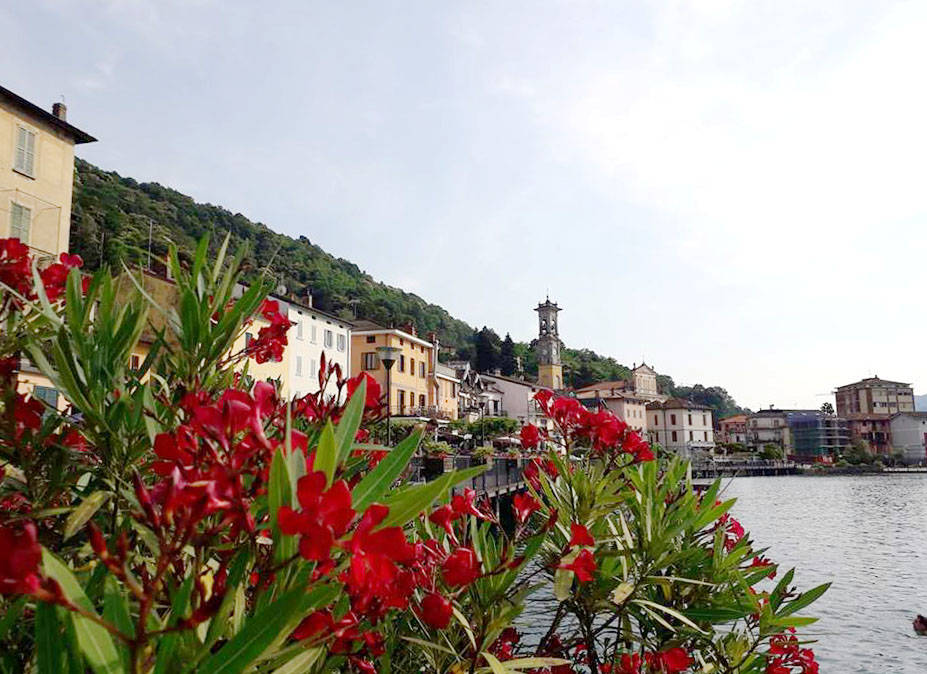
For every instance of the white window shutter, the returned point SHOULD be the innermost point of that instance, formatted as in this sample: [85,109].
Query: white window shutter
[20,217]
[30,153]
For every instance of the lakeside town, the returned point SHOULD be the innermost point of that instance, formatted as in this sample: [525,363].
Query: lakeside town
[874,416]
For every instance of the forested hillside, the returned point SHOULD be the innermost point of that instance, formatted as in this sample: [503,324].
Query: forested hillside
[112,216]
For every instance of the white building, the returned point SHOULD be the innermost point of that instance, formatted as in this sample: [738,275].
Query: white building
[313,333]
[909,435]
[517,398]
[681,426]
[624,404]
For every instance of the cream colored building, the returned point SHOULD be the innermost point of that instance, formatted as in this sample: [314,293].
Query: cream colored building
[314,333]
[36,173]
[681,426]
[36,185]
[625,404]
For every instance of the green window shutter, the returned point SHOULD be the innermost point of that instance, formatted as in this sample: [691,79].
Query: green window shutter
[25,151]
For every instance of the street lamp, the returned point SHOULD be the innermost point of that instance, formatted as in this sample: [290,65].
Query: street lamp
[388,355]
[482,423]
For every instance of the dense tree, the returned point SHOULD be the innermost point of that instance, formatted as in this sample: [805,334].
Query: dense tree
[507,358]
[488,350]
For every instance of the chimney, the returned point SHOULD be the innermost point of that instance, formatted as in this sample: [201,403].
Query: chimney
[433,337]
[309,298]
[410,328]
[60,110]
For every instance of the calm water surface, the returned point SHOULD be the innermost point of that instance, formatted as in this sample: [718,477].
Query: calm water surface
[866,534]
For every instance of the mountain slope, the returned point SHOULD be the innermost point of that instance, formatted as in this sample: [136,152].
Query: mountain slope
[112,216]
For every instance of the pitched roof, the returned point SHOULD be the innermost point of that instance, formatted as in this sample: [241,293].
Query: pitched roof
[45,116]
[677,404]
[604,385]
[873,381]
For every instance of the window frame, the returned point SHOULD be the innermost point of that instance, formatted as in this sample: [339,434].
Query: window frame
[23,211]
[26,170]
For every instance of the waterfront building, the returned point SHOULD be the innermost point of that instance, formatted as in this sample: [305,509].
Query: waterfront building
[474,393]
[412,391]
[681,426]
[313,333]
[517,398]
[36,184]
[550,369]
[733,429]
[909,435]
[447,387]
[867,406]
[808,434]
[622,402]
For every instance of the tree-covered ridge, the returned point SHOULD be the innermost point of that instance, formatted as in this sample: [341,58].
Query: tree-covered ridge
[110,222]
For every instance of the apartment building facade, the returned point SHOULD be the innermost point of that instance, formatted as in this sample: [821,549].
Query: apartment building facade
[624,404]
[868,404]
[733,429]
[909,435]
[36,186]
[314,334]
[681,426]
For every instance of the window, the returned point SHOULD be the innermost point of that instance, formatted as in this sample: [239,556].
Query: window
[299,328]
[402,399]
[656,420]
[313,368]
[342,342]
[370,361]
[46,394]
[690,419]
[401,342]
[24,161]
[674,436]
[371,339]
[402,362]
[453,389]
[20,222]
[690,436]
[421,369]
[421,401]
[706,435]
[134,361]
[673,421]
[412,366]
[299,366]
[313,336]
[705,421]
[329,338]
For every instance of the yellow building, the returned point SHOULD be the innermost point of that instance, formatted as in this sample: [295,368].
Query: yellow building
[36,183]
[447,390]
[412,390]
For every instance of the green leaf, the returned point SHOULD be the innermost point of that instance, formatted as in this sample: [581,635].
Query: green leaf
[406,505]
[375,483]
[82,513]
[95,642]
[326,457]
[350,421]
[13,610]
[168,642]
[219,623]
[280,493]
[803,600]
[494,664]
[116,612]
[255,636]
[302,662]
[47,639]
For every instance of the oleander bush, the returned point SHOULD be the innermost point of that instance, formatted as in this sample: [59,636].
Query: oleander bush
[175,515]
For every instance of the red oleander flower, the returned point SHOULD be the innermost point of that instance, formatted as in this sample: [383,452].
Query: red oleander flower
[630,663]
[530,436]
[271,339]
[583,566]
[463,504]
[733,530]
[19,563]
[504,646]
[787,657]
[461,568]
[524,505]
[443,516]
[762,562]
[671,661]
[435,611]
[372,399]
[580,536]
[325,516]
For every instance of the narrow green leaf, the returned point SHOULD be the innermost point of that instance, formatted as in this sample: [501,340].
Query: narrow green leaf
[95,642]
[302,662]
[280,493]
[13,610]
[47,639]
[116,612]
[375,483]
[803,600]
[326,457]
[350,421]
[168,642]
[494,664]
[82,513]
[255,636]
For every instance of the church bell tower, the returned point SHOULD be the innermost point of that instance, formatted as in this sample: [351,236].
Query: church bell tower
[550,371]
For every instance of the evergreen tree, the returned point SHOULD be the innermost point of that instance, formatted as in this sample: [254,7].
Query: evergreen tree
[488,349]
[507,360]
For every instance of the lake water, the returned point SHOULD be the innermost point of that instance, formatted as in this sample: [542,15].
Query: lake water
[866,534]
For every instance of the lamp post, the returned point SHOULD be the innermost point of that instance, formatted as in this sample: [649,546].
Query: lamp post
[482,423]
[388,355]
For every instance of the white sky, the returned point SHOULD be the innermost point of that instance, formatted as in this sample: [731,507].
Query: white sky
[733,190]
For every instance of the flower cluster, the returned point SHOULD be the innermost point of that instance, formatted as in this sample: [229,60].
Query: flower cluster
[670,661]
[271,339]
[606,434]
[786,656]
[16,271]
